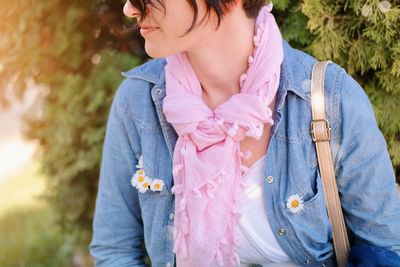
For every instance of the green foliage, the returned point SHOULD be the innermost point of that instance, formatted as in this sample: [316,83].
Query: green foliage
[292,23]
[22,189]
[77,49]
[29,238]
[71,133]
[362,37]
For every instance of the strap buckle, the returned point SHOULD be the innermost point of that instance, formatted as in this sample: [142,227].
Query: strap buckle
[320,130]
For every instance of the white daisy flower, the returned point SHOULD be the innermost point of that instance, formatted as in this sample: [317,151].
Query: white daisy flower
[137,178]
[140,172]
[144,186]
[295,203]
[157,185]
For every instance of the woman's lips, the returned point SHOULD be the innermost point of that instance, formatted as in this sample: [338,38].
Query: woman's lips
[144,31]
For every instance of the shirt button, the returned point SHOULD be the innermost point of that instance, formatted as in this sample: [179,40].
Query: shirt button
[282,231]
[308,261]
[171,216]
[270,179]
[168,264]
[158,91]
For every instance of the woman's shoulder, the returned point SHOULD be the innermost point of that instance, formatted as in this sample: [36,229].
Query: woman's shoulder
[341,89]
[133,97]
[298,66]
[140,79]
[150,71]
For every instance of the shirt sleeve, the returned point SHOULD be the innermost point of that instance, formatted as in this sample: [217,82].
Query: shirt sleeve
[117,226]
[365,175]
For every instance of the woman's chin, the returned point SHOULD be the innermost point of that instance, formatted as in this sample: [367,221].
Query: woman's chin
[155,51]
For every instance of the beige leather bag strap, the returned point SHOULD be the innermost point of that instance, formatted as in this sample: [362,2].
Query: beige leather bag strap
[320,132]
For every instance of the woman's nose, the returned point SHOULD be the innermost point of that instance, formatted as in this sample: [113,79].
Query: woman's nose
[130,11]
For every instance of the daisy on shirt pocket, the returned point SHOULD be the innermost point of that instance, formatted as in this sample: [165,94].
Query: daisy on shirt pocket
[306,195]
[146,183]
[307,211]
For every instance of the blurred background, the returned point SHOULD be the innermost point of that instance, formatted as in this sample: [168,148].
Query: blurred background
[60,64]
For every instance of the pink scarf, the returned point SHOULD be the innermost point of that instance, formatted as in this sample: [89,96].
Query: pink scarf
[207,166]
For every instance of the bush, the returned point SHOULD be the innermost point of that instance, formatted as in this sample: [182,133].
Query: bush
[29,238]
[77,49]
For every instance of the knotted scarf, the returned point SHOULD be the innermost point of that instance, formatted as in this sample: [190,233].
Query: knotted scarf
[207,168]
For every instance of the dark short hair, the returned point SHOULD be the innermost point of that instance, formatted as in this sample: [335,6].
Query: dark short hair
[251,7]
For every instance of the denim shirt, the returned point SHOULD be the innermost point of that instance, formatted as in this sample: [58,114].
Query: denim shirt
[124,217]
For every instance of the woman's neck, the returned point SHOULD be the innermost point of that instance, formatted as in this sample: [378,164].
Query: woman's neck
[221,59]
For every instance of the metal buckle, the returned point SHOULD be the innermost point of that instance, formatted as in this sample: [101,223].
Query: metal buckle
[326,128]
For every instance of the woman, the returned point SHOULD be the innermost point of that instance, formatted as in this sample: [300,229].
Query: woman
[215,135]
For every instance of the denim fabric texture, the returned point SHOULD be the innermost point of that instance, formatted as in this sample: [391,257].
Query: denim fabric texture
[125,218]
[371,256]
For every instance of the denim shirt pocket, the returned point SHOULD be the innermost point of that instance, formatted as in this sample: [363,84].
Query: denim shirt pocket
[312,223]
[303,178]
[311,197]
[155,163]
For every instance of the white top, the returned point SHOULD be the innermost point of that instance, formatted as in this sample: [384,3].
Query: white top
[257,243]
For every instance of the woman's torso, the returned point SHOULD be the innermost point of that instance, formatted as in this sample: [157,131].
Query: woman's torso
[256,241]
[291,167]
[290,162]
